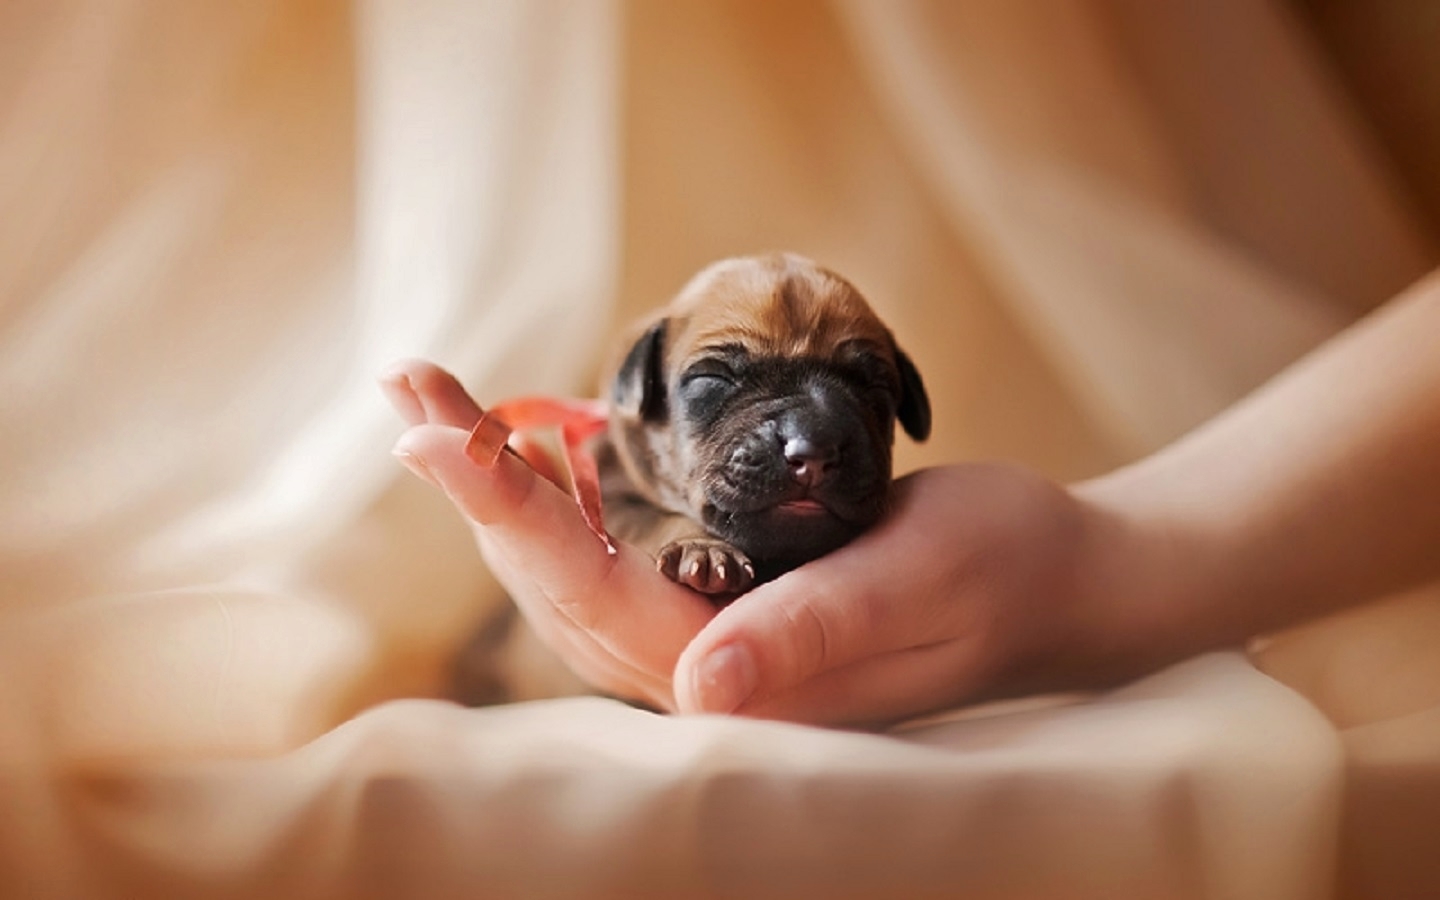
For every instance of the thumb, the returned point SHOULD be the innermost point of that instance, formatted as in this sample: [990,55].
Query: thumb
[817,618]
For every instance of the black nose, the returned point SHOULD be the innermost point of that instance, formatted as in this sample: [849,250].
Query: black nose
[810,461]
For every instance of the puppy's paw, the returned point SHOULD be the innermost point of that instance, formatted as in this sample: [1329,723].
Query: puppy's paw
[706,565]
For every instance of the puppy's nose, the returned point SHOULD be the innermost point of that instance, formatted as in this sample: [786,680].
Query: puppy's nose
[808,460]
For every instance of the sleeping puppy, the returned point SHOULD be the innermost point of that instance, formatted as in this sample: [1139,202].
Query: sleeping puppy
[751,423]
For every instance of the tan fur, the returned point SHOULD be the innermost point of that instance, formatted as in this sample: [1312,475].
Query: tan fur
[769,306]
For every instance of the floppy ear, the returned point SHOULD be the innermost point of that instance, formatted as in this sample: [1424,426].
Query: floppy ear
[914,409]
[639,387]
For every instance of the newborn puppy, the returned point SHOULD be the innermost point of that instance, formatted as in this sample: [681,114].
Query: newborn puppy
[751,423]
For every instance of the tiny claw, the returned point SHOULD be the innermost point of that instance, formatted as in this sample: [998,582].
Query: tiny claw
[720,571]
[694,570]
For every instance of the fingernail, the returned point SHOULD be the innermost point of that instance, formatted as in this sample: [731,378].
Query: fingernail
[487,441]
[725,679]
[415,464]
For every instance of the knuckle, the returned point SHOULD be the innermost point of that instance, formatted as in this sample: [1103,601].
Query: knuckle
[811,644]
[833,623]
[517,484]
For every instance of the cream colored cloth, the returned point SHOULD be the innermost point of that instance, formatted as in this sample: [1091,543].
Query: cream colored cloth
[1091,224]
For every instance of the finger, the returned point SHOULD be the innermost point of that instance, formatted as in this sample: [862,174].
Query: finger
[608,670]
[619,599]
[879,690]
[823,616]
[421,392]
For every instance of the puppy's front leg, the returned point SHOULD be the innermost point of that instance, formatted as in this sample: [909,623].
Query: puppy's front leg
[684,552]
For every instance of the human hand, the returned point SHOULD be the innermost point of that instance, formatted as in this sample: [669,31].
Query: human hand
[616,621]
[983,581]
[1317,492]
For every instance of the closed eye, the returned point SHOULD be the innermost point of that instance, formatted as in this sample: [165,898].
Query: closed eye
[710,369]
[874,373]
[877,377]
[705,388]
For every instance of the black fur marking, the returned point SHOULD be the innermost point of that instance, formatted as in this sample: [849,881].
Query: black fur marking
[914,410]
[639,387]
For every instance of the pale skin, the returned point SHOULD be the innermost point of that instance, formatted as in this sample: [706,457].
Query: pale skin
[1319,491]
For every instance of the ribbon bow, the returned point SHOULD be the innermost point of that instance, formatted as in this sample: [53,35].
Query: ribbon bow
[578,422]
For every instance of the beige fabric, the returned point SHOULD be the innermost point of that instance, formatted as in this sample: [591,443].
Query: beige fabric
[1091,224]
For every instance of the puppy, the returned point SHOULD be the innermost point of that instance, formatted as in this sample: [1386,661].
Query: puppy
[752,421]
[750,431]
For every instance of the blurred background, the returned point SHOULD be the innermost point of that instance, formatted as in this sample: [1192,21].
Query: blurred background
[1093,224]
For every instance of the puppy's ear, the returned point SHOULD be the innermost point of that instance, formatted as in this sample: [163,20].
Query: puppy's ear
[914,408]
[639,387]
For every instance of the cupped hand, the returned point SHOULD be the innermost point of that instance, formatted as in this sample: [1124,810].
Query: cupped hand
[616,621]
[981,582]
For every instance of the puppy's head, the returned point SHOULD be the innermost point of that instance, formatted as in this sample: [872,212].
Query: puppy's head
[763,404]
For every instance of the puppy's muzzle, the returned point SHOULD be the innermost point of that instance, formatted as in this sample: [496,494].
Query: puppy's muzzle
[805,451]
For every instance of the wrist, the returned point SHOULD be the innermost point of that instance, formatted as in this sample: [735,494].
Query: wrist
[1150,583]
